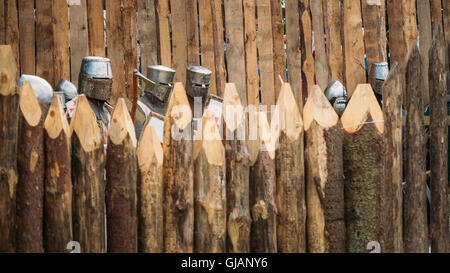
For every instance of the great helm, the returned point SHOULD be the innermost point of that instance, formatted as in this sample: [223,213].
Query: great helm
[162,77]
[66,90]
[197,81]
[42,89]
[378,75]
[95,80]
[337,96]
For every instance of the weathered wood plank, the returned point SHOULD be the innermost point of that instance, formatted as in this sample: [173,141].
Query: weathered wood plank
[425,36]
[193,58]
[96,28]
[147,33]
[27,38]
[164,32]
[308,74]
[279,55]
[251,53]
[321,61]
[207,41]
[44,40]
[374,16]
[61,59]
[79,38]
[334,40]
[179,39]
[12,29]
[221,73]
[130,45]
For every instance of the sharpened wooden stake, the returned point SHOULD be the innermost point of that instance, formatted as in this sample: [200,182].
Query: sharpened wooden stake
[30,162]
[392,108]
[209,188]
[237,157]
[290,189]
[150,192]
[88,177]
[363,129]
[415,233]
[325,175]
[178,175]
[438,145]
[263,235]
[9,124]
[58,180]
[121,176]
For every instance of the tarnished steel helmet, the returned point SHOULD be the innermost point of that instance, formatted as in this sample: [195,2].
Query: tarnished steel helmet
[42,89]
[162,77]
[68,89]
[337,96]
[378,75]
[197,81]
[95,80]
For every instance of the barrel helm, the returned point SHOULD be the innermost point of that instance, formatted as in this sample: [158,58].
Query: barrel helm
[378,75]
[42,90]
[197,82]
[67,91]
[337,96]
[95,79]
[161,78]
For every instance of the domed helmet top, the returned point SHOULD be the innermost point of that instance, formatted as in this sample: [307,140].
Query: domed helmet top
[162,79]
[337,96]
[378,75]
[67,91]
[197,81]
[42,89]
[95,80]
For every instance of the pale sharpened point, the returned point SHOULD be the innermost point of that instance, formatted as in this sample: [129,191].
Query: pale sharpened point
[8,71]
[56,121]
[121,124]
[29,105]
[319,109]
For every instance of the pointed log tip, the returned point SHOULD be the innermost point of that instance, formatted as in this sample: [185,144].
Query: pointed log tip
[319,109]
[56,121]
[392,81]
[121,125]
[179,109]
[210,141]
[232,108]
[8,71]
[291,121]
[29,105]
[149,149]
[84,125]
[362,105]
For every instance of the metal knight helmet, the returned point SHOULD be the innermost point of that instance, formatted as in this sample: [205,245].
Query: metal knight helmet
[337,96]
[95,80]
[197,82]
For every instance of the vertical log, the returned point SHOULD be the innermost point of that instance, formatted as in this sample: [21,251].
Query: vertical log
[308,74]
[234,37]
[12,30]
[130,45]
[164,32]
[150,192]
[294,64]
[392,108]
[290,197]
[58,181]
[88,162]
[193,58]
[374,16]
[44,40]
[147,33]
[424,20]
[321,61]
[279,56]
[30,162]
[96,28]
[237,157]
[354,64]
[209,188]
[179,38]
[251,53]
[438,145]
[61,60]
[178,174]
[436,14]
[415,207]
[265,49]
[325,175]
[27,39]
[334,40]
[9,122]
[79,37]
[121,175]
[446,22]
[2,22]
[207,41]
[263,235]
[219,54]
[363,130]
[116,50]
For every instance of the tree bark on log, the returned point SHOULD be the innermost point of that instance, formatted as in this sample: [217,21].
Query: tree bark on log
[425,34]
[290,186]
[178,175]
[209,188]
[415,207]
[392,108]
[88,177]
[324,175]
[30,162]
[237,157]
[438,145]
[263,235]
[9,124]
[363,129]
[58,181]
[121,176]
